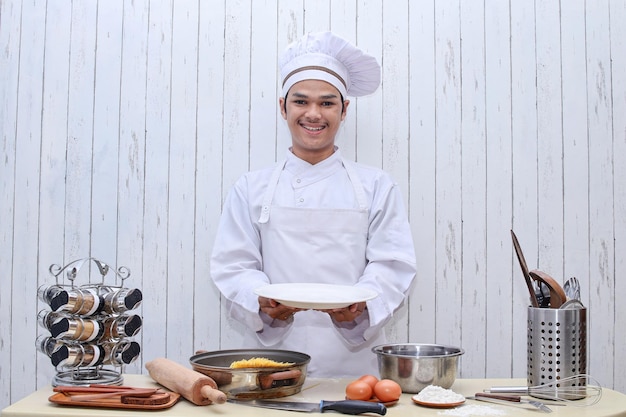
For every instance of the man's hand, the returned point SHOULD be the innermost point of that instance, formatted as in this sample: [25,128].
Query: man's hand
[349,313]
[276,310]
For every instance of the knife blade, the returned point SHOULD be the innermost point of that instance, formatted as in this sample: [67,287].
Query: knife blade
[510,399]
[352,407]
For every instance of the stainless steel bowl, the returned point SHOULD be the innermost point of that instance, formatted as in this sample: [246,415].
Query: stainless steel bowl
[415,366]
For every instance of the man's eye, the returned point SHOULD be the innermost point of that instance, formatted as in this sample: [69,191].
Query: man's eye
[299,102]
[328,103]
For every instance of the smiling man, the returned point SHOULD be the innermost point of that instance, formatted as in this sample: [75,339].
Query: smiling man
[317,218]
[315,112]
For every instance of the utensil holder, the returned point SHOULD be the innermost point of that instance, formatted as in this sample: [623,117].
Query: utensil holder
[557,345]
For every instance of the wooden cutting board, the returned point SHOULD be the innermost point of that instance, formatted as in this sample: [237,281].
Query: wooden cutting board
[154,402]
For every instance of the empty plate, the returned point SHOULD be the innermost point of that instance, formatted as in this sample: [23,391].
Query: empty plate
[315,296]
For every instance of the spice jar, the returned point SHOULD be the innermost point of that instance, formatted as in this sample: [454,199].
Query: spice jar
[77,354]
[121,326]
[81,301]
[121,353]
[122,300]
[76,328]
[47,293]
[47,318]
[47,344]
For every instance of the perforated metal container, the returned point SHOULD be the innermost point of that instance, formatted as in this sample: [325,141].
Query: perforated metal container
[557,344]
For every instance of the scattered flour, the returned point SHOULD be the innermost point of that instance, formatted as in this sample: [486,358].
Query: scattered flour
[473,410]
[438,395]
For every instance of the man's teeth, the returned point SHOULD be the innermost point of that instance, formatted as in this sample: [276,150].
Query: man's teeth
[314,129]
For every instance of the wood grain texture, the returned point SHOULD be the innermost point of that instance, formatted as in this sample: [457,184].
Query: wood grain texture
[27,155]
[475,164]
[124,125]
[618,43]
[601,196]
[153,264]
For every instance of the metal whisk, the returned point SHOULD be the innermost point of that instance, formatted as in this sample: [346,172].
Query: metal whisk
[581,390]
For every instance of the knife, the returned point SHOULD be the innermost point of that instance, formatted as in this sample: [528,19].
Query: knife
[509,400]
[352,407]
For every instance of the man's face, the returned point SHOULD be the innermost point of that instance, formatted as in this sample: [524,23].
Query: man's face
[313,112]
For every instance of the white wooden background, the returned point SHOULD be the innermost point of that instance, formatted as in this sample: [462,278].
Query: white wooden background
[124,123]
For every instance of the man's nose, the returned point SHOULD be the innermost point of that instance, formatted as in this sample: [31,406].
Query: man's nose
[313,111]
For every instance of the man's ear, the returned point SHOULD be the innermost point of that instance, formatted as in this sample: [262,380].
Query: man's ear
[281,105]
[346,103]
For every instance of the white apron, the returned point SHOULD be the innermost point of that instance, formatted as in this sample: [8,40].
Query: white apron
[323,246]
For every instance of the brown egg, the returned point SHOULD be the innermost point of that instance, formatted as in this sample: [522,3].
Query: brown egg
[358,390]
[370,379]
[387,390]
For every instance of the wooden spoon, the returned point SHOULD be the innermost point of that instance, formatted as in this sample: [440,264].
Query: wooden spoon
[522,264]
[557,294]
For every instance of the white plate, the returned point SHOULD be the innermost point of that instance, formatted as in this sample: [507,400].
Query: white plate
[315,296]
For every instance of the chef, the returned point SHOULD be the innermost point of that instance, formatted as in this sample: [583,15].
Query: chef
[316,217]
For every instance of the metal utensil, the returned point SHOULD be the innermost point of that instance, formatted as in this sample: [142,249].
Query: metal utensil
[343,406]
[542,292]
[572,288]
[524,266]
[509,400]
[557,295]
[572,305]
[577,390]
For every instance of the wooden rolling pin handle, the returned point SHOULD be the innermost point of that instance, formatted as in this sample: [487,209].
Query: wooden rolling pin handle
[214,395]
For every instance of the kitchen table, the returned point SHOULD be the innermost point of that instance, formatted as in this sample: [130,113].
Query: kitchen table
[612,403]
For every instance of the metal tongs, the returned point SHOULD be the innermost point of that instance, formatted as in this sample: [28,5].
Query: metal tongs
[509,400]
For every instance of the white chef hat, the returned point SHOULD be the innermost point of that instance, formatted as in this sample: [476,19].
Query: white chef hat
[327,57]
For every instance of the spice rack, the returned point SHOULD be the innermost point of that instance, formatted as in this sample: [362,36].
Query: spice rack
[90,326]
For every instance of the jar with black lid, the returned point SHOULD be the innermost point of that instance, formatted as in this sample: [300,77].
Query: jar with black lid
[78,354]
[77,328]
[119,327]
[75,300]
[46,319]
[121,300]
[47,344]
[121,353]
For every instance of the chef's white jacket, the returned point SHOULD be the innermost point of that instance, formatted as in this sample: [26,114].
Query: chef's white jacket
[387,265]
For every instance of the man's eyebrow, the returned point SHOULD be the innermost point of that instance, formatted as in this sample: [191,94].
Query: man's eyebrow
[323,97]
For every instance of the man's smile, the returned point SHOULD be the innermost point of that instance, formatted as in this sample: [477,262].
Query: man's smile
[313,128]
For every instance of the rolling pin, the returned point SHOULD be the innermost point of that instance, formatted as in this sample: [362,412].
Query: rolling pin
[194,386]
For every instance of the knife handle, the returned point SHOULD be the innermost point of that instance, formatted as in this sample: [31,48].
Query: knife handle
[510,390]
[512,398]
[353,407]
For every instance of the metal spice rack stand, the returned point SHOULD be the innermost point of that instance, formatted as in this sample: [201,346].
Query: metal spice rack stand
[90,325]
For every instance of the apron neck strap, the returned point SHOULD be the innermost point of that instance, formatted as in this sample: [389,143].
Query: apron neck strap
[356,183]
[269,194]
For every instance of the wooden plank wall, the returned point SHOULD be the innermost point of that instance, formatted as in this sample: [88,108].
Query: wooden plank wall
[124,123]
